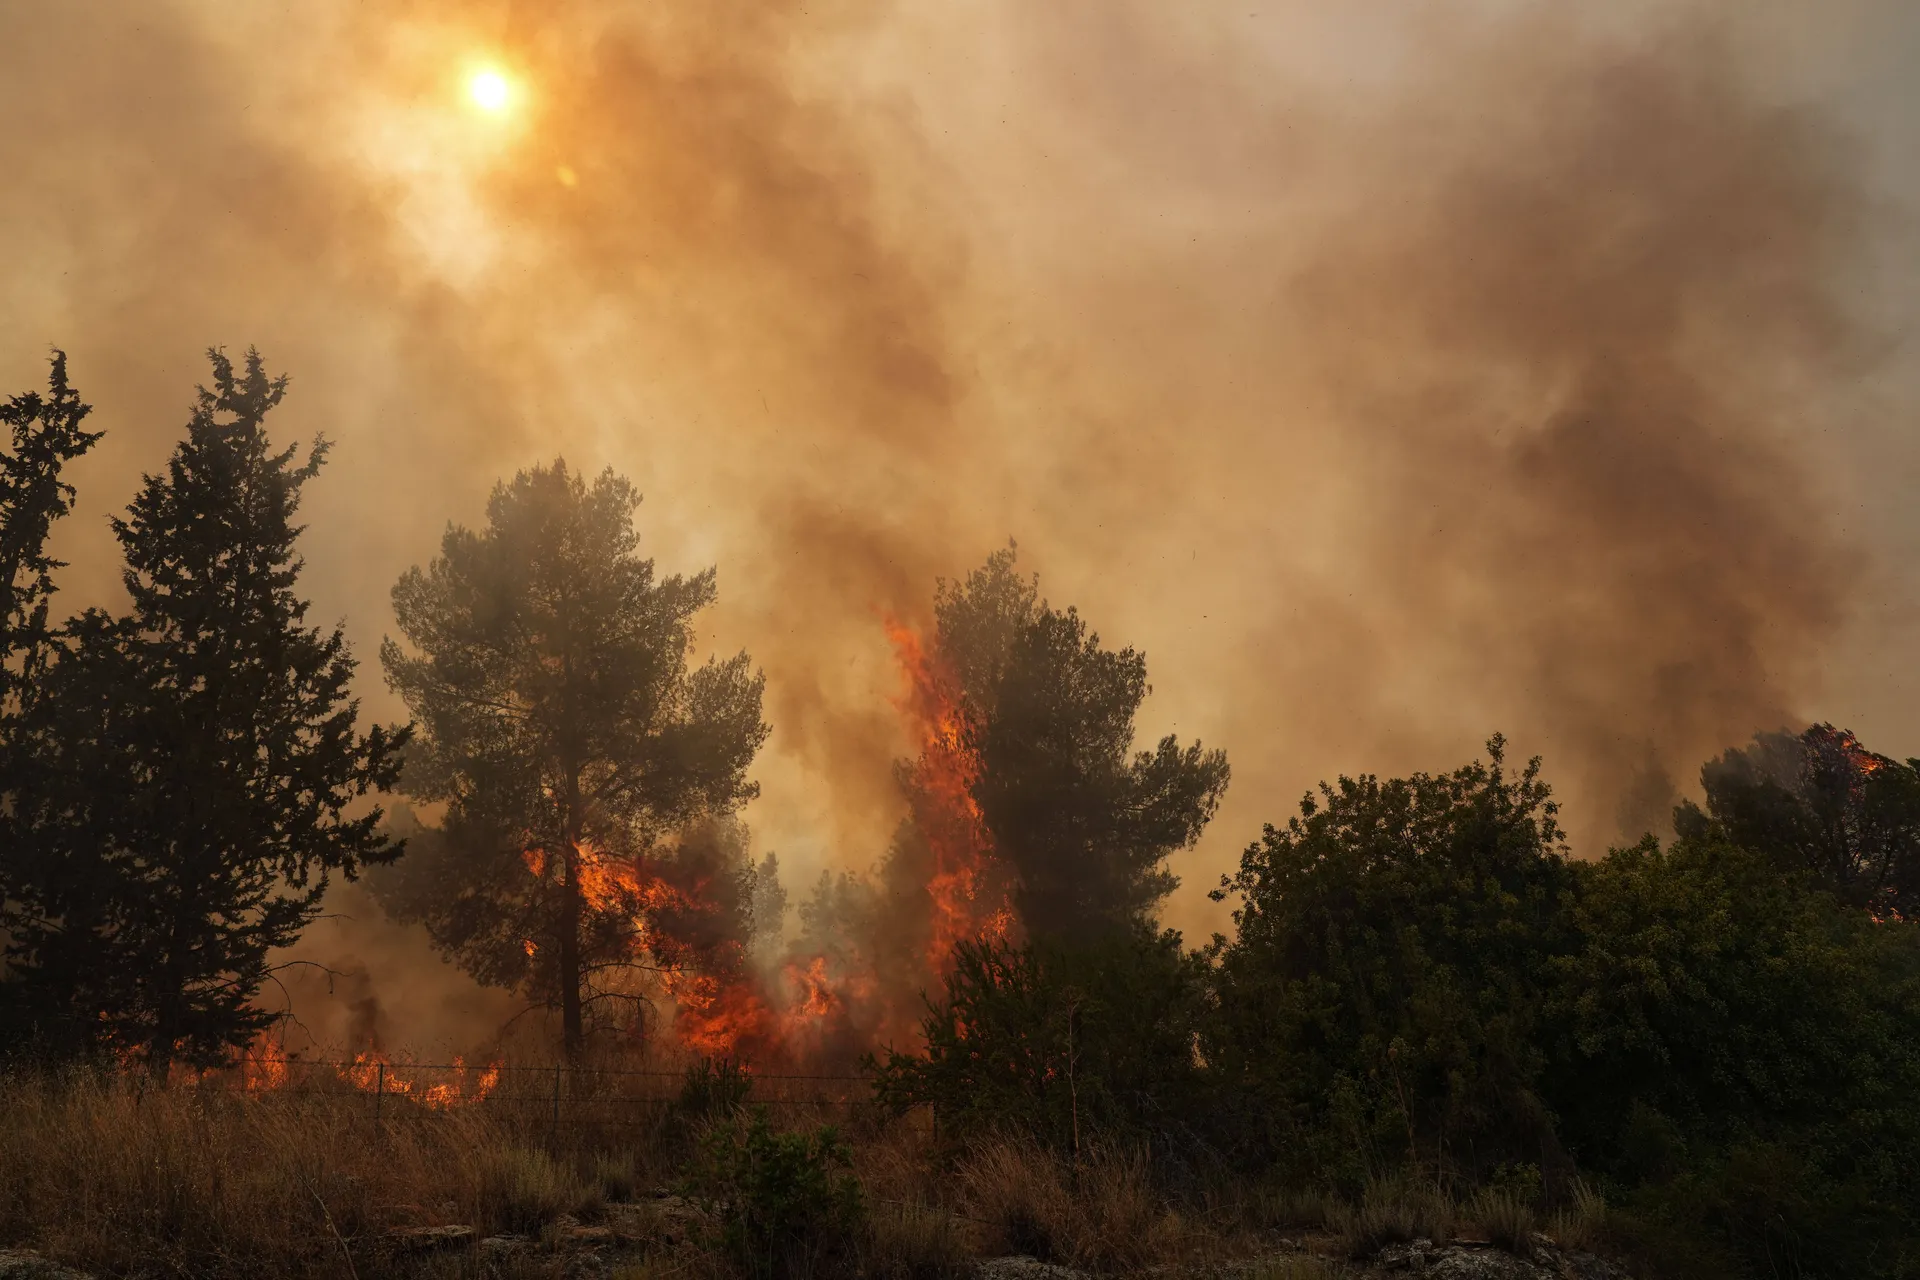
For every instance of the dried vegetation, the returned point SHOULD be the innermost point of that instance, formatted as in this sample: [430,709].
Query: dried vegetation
[117,1175]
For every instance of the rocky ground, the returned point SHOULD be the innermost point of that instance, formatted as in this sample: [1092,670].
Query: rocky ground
[598,1251]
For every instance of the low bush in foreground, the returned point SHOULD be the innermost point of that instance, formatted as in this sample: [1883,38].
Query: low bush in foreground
[785,1203]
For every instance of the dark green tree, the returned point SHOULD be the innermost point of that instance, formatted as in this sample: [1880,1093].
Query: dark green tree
[45,435]
[566,734]
[1820,802]
[1382,999]
[1083,823]
[194,761]
[1074,1044]
[1739,1053]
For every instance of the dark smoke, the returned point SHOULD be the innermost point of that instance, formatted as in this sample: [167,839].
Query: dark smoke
[1385,383]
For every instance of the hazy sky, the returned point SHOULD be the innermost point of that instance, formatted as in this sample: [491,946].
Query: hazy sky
[1389,377]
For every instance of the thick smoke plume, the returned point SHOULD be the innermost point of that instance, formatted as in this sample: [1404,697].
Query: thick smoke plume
[1385,386]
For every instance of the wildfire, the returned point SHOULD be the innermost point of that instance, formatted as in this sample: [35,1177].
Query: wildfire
[723,1004]
[372,1071]
[964,904]
[1839,749]
[263,1067]
[719,1018]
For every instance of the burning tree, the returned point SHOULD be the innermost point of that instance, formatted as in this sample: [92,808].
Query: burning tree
[1820,802]
[1027,799]
[570,742]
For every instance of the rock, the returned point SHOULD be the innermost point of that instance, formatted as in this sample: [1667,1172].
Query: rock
[1476,1260]
[500,1246]
[423,1238]
[1411,1256]
[1584,1266]
[1454,1262]
[1024,1268]
[1255,1268]
[24,1264]
[669,1219]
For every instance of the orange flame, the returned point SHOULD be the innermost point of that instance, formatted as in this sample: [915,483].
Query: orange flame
[372,1071]
[263,1067]
[948,816]
[722,1007]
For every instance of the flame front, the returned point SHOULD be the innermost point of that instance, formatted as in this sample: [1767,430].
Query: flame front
[373,1072]
[723,1006]
[964,904]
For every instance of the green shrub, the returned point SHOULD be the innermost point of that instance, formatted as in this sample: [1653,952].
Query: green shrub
[1740,1054]
[784,1202]
[1725,1033]
[1382,999]
[1072,1044]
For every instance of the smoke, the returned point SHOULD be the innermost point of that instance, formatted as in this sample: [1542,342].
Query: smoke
[1386,383]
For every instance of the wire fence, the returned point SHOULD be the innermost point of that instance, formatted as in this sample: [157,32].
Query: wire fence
[558,1096]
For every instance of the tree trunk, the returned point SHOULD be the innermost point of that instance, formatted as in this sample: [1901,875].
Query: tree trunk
[572,1029]
[573,1034]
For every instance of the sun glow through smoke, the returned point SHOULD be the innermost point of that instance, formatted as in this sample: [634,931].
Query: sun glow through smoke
[490,90]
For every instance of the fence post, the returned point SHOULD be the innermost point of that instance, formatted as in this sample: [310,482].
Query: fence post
[555,1134]
[379,1088]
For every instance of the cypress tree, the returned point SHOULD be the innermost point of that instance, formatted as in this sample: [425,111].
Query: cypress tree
[195,760]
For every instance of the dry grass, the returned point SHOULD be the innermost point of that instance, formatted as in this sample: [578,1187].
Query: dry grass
[118,1177]
[1393,1211]
[1294,1209]
[1507,1218]
[1103,1213]
[617,1174]
[1582,1224]
[914,1240]
[110,1175]
[522,1190]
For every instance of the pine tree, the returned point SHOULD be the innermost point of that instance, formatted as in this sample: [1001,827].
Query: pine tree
[569,740]
[1082,821]
[194,760]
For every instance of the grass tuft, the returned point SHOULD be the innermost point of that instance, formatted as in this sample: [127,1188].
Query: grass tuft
[913,1240]
[1582,1224]
[522,1190]
[1507,1218]
[1393,1211]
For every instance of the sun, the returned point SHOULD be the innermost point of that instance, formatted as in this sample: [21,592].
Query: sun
[489,89]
